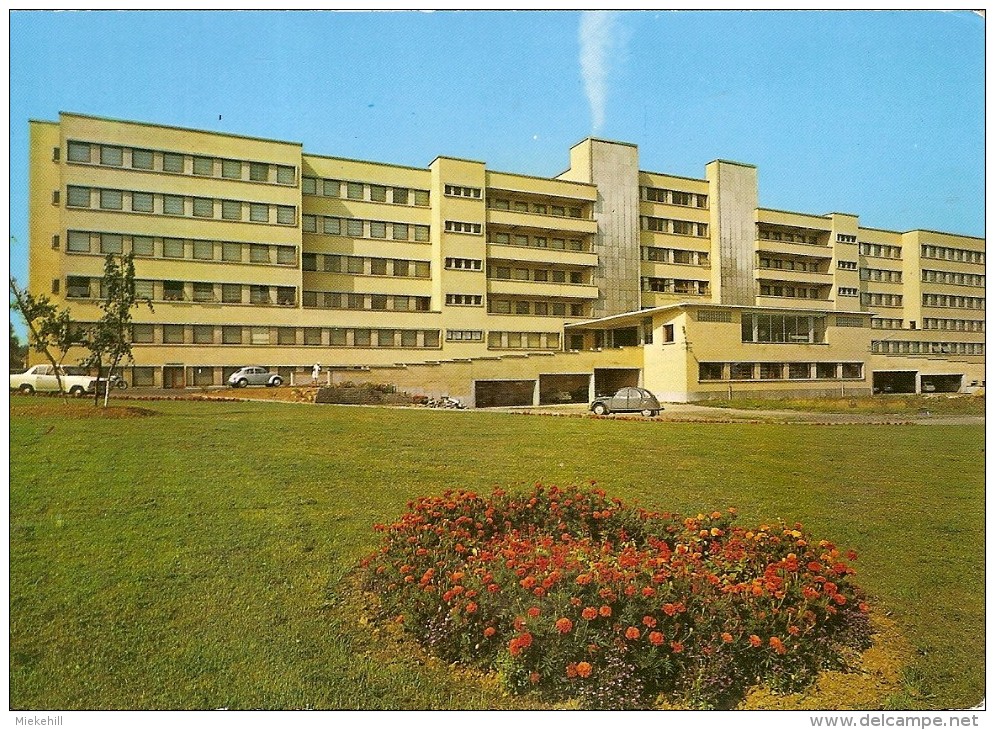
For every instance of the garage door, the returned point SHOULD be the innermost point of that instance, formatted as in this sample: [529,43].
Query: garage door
[491,393]
[555,389]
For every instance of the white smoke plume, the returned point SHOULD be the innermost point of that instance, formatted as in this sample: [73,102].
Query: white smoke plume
[597,38]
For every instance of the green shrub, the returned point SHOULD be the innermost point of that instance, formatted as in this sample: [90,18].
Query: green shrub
[573,595]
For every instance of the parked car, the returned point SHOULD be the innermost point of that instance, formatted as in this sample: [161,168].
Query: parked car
[254,375]
[41,378]
[627,400]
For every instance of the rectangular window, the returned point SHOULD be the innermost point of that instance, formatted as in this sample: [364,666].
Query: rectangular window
[231,169]
[259,294]
[378,193]
[142,202]
[172,162]
[331,226]
[378,229]
[173,205]
[286,175]
[172,291]
[741,371]
[142,333]
[259,253]
[203,166]
[173,248]
[400,196]
[203,291]
[172,334]
[385,338]
[286,215]
[78,152]
[112,156]
[286,255]
[77,196]
[399,232]
[378,267]
[231,251]
[259,212]
[361,338]
[77,287]
[111,243]
[422,233]
[422,197]
[799,371]
[312,335]
[710,371]
[309,186]
[203,334]
[111,199]
[853,370]
[231,210]
[142,159]
[309,261]
[143,245]
[78,241]
[333,263]
[354,191]
[203,207]
[422,269]
[286,336]
[231,293]
[259,335]
[331,188]
[144,289]
[259,171]
[354,228]
[203,250]
[309,223]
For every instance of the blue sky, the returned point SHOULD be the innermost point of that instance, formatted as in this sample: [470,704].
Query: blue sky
[875,113]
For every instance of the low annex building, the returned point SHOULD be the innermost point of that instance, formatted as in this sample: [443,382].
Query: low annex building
[495,287]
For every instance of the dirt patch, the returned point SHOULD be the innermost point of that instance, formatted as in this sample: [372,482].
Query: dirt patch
[79,410]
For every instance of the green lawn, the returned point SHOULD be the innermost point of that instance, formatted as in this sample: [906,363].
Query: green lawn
[901,405]
[197,559]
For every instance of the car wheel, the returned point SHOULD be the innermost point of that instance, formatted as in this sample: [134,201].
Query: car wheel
[123,385]
[600,409]
[241,383]
[26,388]
[77,391]
[649,412]
[276,382]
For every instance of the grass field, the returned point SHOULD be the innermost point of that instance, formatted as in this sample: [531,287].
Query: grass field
[902,405]
[198,558]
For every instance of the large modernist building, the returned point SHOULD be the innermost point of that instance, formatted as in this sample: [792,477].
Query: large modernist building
[492,286]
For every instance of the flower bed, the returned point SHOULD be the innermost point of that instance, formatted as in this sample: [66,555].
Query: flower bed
[570,594]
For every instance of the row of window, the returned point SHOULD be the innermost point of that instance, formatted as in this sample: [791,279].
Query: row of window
[713,315]
[179,163]
[843,320]
[674,256]
[952,254]
[782,264]
[464,335]
[886,275]
[846,265]
[556,276]
[462,191]
[774,234]
[371,302]
[780,371]
[777,289]
[960,325]
[674,197]
[522,239]
[465,300]
[881,250]
[847,291]
[363,191]
[358,228]
[365,265]
[945,300]
[462,227]
[522,206]
[83,287]
[694,287]
[460,264]
[179,334]
[783,328]
[874,299]
[902,347]
[537,308]
[178,248]
[845,238]
[677,227]
[953,277]
[179,205]
[886,323]
[523,340]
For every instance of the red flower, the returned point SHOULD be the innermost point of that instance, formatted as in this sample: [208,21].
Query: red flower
[647,591]
[534,677]
[471,607]
[584,669]
[677,646]
[649,622]
[605,611]
[572,670]
[493,588]
[656,638]
[670,609]
[777,645]
[564,625]
[534,612]
[589,613]
[489,632]
[632,633]
[727,637]
[755,640]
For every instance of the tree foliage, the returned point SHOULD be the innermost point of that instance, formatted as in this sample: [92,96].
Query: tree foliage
[50,328]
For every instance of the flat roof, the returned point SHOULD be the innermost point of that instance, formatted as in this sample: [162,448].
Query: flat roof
[179,129]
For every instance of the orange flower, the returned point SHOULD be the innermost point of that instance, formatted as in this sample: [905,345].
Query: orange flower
[793,630]
[632,633]
[777,645]
[839,598]
[814,567]
[677,646]
[647,591]
[656,638]
[589,613]
[670,609]
[605,611]
[572,670]
[471,607]
[489,632]
[519,623]
[564,625]
[574,601]
[528,582]
[534,612]
[584,669]
[649,622]
[534,677]
[493,588]
[727,637]
[755,640]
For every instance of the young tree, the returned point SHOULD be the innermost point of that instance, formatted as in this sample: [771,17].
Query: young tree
[109,339]
[50,329]
[18,352]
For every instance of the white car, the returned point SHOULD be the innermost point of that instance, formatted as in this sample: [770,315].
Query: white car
[41,378]
[254,375]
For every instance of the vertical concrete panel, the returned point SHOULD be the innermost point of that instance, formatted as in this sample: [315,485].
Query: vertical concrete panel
[615,170]
[733,195]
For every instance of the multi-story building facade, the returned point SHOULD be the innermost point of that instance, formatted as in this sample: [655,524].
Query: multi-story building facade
[253,251]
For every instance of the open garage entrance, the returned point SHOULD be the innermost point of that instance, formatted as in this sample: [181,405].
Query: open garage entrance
[607,381]
[555,389]
[894,381]
[941,383]
[491,393]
